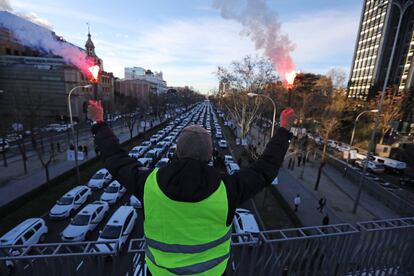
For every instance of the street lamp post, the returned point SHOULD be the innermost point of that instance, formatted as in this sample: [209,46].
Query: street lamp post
[353,135]
[402,8]
[274,109]
[73,129]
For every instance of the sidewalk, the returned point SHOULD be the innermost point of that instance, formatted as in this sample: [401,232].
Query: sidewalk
[338,191]
[18,186]
[289,186]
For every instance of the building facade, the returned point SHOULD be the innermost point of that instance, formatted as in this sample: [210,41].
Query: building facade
[377,31]
[155,79]
[29,79]
[33,85]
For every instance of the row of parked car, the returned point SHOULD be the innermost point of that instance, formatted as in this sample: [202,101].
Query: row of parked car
[244,221]
[85,220]
[120,225]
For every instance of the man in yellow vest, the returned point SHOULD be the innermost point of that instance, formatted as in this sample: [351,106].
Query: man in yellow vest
[189,206]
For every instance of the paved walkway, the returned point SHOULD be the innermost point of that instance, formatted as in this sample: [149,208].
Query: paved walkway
[18,186]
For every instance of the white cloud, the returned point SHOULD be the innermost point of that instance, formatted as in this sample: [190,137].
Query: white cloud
[324,40]
[187,51]
[57,9]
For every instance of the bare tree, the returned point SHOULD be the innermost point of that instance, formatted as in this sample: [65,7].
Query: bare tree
[250,75]
[391,111]
[40,139]
[4,126]
[338,77]
[329,121]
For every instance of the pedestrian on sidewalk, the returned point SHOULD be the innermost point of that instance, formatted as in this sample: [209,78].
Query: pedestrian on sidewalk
[85,151]
[296,202]
[325,220]
[322,203]
[96,150]
[80,148]
[58,146]
[299,159]
[71,147]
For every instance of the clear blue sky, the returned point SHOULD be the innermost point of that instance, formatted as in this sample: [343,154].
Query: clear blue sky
[187,40]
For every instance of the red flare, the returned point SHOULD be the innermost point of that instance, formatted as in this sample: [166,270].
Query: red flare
[290,78]
[94,70]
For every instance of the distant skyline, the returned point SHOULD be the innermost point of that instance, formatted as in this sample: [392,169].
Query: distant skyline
[187,40]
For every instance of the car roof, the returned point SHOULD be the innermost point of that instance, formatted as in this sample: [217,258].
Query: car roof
[165,159]
[103,170]
[16,231]
[75,190]
[120,215]
[249,222]
[89,209]
[115,183]
[233,165]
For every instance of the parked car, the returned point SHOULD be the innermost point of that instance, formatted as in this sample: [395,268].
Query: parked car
[13,137]
[136,152]
[70,202]
[145,161]
[162,163]
[222,144]
[113,192]
[118,228]
[100,179]
[4,145]
[82,225]
[244,222]
[371,167]
[232,168]
[228,159]
[135,202]
[28,232]
[391,164]
[170,153]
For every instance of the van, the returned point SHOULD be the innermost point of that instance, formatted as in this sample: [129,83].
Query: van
[29,232]
[391,164]
[118,229]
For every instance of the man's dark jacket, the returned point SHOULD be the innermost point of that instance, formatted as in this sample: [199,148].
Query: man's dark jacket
[190,180]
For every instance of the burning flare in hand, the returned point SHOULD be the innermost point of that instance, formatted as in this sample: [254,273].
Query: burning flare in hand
[290,78]
[94,72]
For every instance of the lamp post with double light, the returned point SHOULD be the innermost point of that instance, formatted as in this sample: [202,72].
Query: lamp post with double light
[353,135]
[274,109]
[73,129]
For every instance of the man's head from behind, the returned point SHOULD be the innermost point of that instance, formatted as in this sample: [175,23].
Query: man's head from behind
[194,142]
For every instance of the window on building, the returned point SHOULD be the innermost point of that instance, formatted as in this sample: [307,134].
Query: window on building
[16,53]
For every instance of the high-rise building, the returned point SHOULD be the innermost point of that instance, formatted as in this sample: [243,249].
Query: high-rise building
[377,30]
